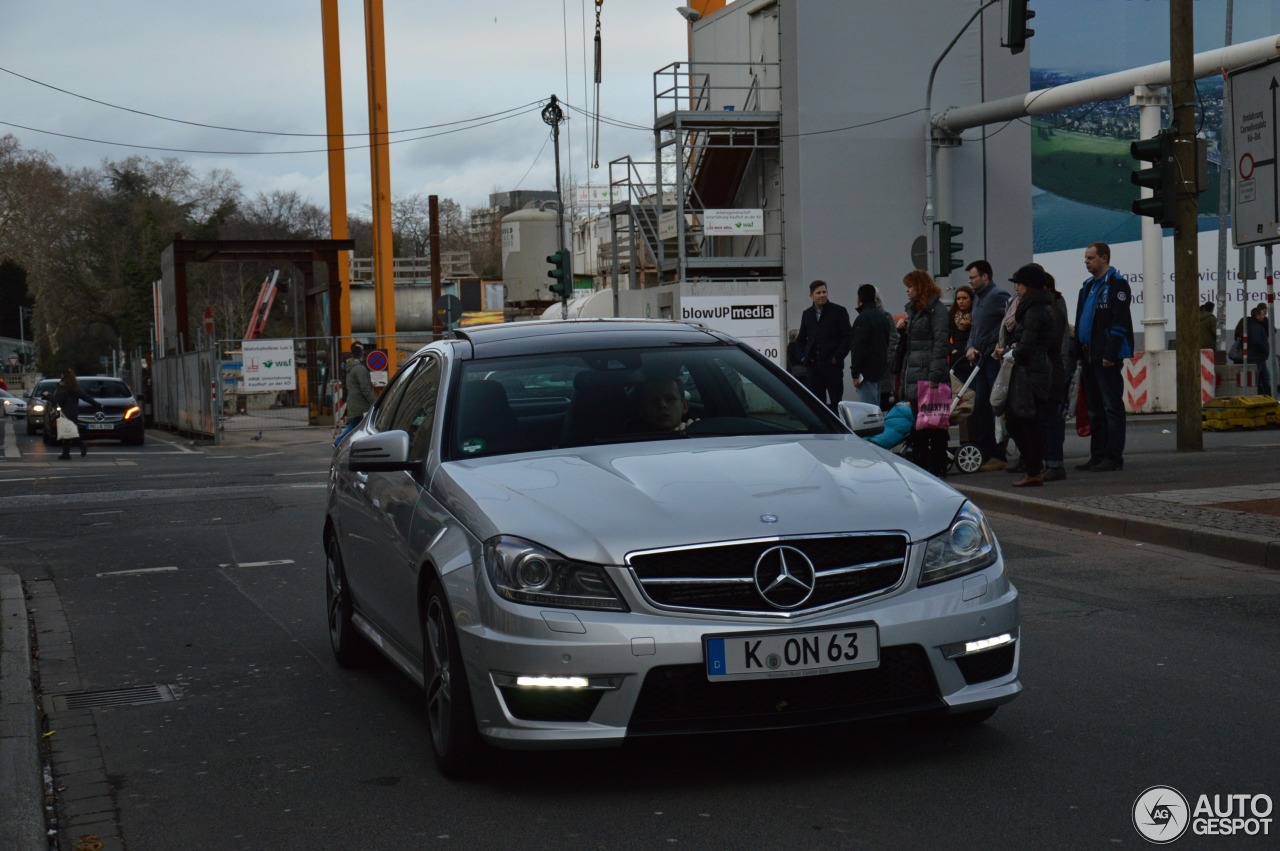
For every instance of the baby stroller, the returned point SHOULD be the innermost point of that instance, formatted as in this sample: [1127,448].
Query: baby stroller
[899,422]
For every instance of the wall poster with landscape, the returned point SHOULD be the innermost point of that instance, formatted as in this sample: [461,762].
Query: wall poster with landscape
[1080,162]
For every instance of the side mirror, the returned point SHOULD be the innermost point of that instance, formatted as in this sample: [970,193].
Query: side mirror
[385,452]
[862,418]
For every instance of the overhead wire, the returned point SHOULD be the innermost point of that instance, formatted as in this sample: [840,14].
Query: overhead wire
[545,140]
[248,130]
[534,108]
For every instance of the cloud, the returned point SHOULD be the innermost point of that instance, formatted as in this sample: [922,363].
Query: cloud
[259,66]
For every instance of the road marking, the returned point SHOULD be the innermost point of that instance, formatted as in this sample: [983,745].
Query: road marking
[258,563]
[137,571]
[97,513]
[9,441]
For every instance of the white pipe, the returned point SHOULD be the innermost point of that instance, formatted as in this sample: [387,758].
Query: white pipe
[957,119]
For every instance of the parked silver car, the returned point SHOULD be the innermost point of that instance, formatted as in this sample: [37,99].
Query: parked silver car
[571,533]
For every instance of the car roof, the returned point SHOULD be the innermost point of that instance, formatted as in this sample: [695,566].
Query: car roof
[564,335]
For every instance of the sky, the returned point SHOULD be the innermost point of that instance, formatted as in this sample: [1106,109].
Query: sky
[1102,36]
[258,66]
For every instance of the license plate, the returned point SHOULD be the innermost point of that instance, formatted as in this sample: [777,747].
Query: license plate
[791,653]
[99,426]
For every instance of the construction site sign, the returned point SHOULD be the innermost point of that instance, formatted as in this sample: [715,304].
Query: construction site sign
[269,366]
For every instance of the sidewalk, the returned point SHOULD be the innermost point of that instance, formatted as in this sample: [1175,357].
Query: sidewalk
[1223,501]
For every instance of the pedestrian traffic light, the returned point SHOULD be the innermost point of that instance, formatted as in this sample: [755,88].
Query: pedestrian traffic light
[948,251]
[1160,178]
[1016,31]
[560,271]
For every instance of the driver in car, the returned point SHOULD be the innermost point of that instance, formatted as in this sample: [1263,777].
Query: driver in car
[662,405]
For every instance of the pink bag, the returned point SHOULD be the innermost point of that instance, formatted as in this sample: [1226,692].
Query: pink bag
[933,404]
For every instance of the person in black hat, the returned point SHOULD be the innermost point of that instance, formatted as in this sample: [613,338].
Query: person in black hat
[1027,410]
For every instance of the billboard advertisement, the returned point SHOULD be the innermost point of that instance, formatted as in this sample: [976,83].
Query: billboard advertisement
[1080,164]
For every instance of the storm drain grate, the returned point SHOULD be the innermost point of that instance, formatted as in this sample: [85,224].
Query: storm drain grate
[134,696]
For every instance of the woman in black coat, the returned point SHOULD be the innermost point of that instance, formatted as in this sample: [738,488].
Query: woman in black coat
[1032,369]
[921,355]
[68,397]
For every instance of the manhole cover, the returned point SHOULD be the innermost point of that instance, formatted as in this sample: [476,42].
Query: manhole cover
[133,696]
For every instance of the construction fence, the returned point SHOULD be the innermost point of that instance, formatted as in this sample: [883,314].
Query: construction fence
[260,385]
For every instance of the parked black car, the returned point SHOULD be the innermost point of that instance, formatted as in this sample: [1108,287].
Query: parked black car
[120,418]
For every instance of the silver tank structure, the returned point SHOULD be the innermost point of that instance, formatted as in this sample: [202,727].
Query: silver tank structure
[528,238]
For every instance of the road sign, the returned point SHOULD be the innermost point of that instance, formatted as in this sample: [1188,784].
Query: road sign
[376,360]
[449,309]
[1256,213]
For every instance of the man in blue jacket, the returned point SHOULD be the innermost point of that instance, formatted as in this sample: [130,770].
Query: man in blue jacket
[1104,338]
[823,343]
[989,305]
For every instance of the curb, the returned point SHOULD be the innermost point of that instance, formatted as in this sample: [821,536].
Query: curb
[21,816]
[1235,546]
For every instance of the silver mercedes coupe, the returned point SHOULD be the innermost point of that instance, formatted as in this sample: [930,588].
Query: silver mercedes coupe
[575,533]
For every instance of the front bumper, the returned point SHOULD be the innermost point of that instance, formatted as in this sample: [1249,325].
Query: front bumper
[644,670]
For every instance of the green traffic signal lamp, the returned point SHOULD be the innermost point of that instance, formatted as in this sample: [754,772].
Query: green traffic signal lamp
[1159,178]
[560,271]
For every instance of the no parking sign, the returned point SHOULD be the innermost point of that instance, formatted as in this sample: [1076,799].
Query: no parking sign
[376,361]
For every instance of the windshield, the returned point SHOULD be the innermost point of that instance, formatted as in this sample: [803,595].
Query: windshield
[100,389]
[536,403]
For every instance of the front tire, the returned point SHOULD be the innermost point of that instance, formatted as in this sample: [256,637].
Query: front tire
[348,645]
[450,714]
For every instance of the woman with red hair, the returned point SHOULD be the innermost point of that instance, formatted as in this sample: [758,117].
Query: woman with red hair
[923,343]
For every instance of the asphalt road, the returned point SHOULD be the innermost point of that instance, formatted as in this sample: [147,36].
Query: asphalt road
[201,569]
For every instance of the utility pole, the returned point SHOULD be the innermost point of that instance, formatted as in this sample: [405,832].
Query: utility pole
[1185,237]
[553,115]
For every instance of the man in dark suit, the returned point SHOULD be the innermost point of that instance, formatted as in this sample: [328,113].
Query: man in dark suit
[823,342]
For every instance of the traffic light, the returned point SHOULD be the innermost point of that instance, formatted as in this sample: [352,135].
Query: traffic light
[948,251]
[1016,31]
[560,271]
[1160,178]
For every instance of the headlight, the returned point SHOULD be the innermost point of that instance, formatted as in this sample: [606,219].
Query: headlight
[967,545]
[132,412]
[38,407]
[524,572]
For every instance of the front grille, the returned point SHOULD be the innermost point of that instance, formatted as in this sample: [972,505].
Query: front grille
[680,699]
[989,665]
[721,578]
[547,704]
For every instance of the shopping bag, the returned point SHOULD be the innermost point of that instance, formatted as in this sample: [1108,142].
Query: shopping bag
[933,404]
[1000,387]
[1236,353]
[1083,429]
[67,429]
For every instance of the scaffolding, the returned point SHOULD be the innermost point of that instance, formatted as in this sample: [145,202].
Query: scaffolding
[716,148]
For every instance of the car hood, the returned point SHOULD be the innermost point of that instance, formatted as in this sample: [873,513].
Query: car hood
[600,503]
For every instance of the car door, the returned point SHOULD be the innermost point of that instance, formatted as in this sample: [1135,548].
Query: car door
[361,519]
[394,498]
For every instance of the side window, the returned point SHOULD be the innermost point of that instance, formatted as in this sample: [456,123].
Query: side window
[384,408]
[416,411]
